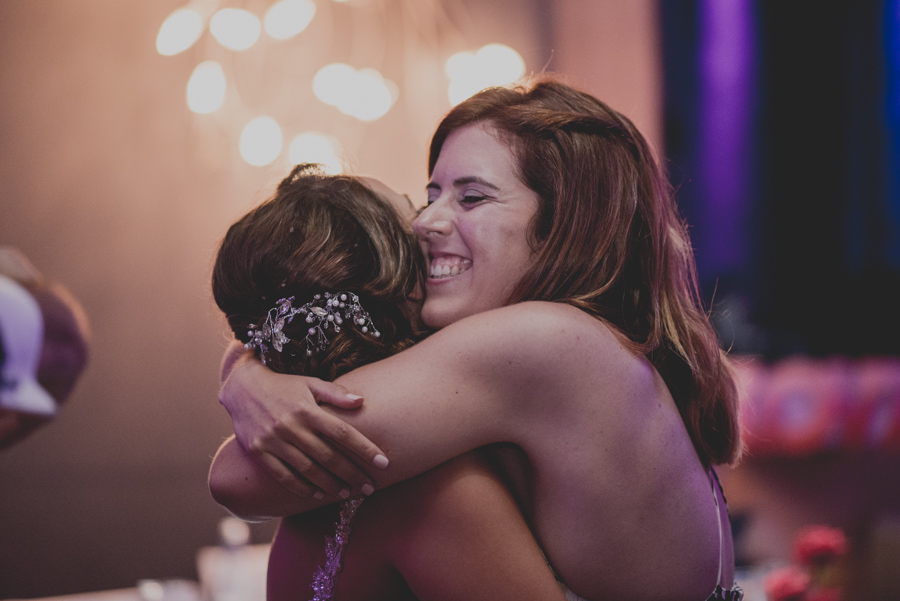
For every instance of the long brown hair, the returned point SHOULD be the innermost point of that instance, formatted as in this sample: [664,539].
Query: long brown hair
[317,234]
[608,239]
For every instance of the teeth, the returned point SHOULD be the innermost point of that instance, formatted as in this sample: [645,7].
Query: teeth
[441,268]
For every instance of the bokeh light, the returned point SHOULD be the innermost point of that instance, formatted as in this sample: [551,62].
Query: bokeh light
[287,18]
[206,88]
[459,65]
[235,28]
[179,32]
[333,82]
[261,141]
[364,94]
[314,147]
[370,97]
[500,63]
[492,65]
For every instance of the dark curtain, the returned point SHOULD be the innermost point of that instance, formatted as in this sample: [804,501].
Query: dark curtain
[782,139]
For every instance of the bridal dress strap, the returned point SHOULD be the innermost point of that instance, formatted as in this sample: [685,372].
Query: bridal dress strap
[323,581]
[715,494]
[735,593]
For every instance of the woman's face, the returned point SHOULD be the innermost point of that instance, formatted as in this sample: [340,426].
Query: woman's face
[474,230]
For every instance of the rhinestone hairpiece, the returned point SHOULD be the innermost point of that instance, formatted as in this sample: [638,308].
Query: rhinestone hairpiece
[324,311]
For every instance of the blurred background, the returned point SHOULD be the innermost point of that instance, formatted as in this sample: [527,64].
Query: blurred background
[132,134]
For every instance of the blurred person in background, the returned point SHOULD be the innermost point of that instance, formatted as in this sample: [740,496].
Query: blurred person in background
[44,340]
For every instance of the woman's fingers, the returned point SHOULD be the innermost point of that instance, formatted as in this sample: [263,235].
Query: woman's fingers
[339,431]
[283,474]
[338,440]
[333,394]
[316,461]
[278,417]
[301,442]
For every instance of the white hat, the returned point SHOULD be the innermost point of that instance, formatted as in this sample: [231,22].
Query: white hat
[21,339]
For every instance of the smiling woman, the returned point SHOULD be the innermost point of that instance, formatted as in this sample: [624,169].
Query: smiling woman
[471,231]
[572,351]
[323,278]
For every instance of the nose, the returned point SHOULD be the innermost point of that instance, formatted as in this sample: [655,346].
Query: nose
[433,220]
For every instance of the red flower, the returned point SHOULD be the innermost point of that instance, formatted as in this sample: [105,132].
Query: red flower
[786,584]
[818,545]
[823,594]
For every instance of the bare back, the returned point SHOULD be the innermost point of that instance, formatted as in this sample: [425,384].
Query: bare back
[612,483]
[607,475]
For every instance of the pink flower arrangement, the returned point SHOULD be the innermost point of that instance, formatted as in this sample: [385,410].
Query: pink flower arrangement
[819,545]
[817,575]
[787,584]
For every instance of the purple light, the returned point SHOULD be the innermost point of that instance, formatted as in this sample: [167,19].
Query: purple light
[726,113]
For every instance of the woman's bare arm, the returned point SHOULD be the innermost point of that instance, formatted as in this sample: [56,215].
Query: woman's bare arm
[330,469]
[452,533]
[486,379]
[234,471]
[460,535]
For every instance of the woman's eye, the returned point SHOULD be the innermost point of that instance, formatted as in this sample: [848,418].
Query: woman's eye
[472,198]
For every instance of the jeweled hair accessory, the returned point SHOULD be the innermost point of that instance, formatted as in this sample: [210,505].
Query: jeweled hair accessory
[324,311]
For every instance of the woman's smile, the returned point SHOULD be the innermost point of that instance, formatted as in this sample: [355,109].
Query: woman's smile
[474,231]
[448,266]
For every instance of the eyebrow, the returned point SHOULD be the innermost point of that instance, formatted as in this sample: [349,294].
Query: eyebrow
[462,181]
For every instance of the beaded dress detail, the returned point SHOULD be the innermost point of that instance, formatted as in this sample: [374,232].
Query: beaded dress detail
[323,581]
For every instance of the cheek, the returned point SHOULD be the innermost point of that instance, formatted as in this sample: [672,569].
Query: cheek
[490,241]
[502,255]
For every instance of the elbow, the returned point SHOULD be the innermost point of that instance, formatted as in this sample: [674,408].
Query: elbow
[225,494]
[220,490]
[231,495]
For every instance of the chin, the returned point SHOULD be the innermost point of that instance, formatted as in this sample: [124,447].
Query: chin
[437,314]
[435,321]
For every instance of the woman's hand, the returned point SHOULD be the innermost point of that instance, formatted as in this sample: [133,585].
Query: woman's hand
[278,421]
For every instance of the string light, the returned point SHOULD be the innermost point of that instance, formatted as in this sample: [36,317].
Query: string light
[235,28]
[206,88]
[261,141]
[491,65]
[363,93]
[288,18]
[179,32]
[314,147]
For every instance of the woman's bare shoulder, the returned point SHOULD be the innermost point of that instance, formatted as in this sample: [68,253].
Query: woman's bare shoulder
[544,339]
[538,326]
[511,354]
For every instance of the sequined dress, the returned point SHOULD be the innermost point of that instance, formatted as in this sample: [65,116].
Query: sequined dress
[323,580]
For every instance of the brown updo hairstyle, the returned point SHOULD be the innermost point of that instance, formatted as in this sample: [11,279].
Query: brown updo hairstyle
[608,239]
[321,233]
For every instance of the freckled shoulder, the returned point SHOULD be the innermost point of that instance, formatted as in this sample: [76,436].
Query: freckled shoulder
[546,325]
[540,340]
